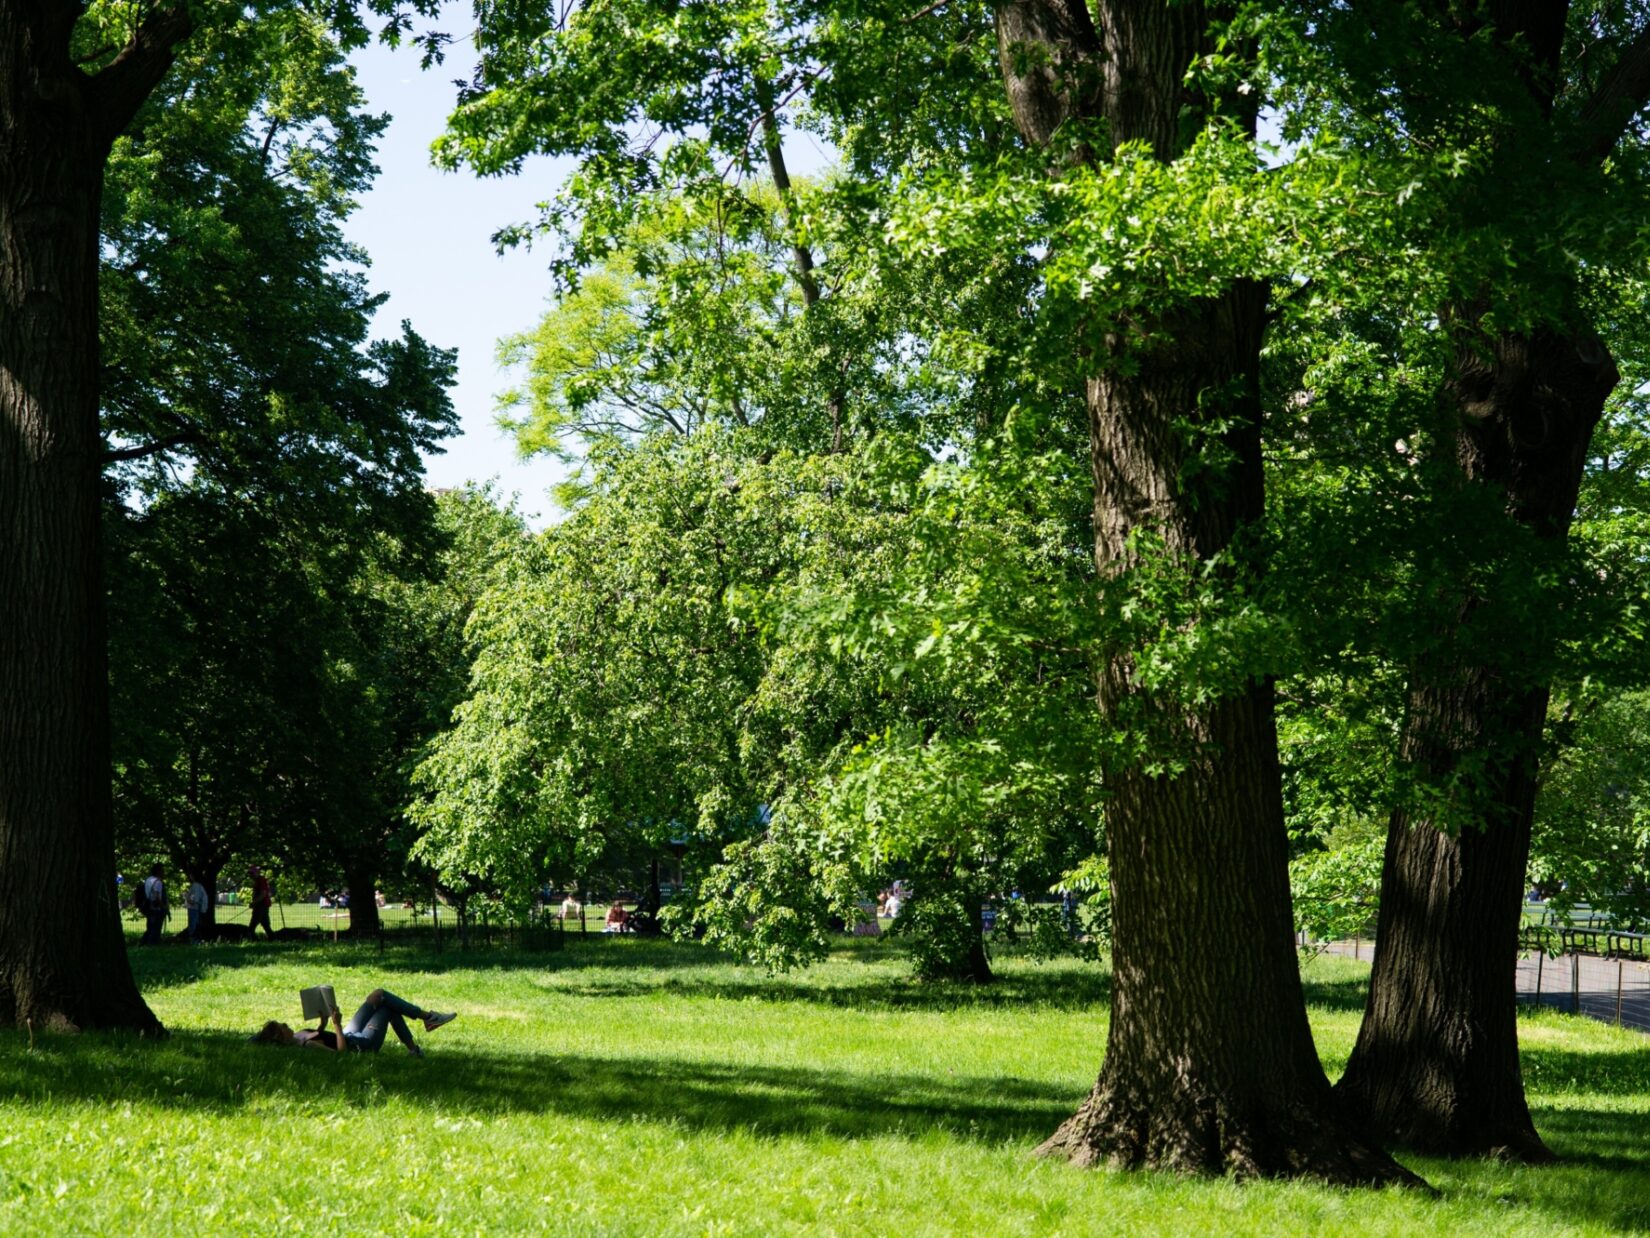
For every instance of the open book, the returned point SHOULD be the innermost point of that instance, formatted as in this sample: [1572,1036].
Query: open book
[319,1003]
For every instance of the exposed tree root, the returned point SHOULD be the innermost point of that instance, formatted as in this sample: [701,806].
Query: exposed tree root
[1196,1133]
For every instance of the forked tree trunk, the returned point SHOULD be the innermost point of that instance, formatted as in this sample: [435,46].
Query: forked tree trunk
[62,959]
[1436,1063]
[1210,1065]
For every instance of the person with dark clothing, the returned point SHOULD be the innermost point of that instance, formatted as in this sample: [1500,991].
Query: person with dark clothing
[155,910]
[260,901]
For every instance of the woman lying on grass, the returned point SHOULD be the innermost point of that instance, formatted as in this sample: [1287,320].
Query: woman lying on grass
[365,1033]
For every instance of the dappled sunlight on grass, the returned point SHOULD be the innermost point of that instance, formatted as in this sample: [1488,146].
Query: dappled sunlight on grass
[650,1087]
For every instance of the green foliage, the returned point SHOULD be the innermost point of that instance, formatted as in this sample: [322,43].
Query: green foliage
[1337,888]
[234,314]
[265,461]
[1592,822]
[1090,880]
[680,326]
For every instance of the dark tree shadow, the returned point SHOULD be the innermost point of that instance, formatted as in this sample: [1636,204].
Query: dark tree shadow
[650,968]
[206,1072]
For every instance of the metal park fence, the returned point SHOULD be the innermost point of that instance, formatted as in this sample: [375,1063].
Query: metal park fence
[441,927]
[1592,971]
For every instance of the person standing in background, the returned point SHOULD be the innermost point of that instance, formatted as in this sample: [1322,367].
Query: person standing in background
[155,910]
[194,902]
[260,901]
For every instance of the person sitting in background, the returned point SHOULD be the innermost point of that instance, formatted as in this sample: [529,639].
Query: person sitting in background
[617,918]
[571,909]
[381,1011]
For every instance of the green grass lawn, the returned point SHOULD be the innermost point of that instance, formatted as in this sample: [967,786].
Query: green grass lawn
[629,1086]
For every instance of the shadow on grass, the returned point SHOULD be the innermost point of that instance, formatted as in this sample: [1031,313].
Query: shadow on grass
[1070,991]
[1337,993]
[170,966]
[214,1072]
[1604,1161]
[876,975]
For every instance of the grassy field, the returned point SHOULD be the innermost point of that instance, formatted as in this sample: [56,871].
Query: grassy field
[628,1086]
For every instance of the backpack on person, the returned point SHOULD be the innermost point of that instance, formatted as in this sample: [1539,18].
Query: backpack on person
[140,897]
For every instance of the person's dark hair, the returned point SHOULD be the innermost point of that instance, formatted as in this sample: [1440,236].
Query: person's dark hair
[272,1033]
[155,870]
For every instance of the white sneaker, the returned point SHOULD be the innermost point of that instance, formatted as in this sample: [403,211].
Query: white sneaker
[435,1019]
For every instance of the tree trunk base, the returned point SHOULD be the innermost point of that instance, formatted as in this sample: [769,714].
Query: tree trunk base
[54,1018]
[1197,1133]
[1441,1125]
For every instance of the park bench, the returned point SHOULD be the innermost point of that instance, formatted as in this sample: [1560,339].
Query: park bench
[1632,946]
[1587,939]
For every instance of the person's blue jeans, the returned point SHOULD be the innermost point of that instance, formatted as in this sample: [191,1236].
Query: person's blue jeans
[364,1033]
[154,921]
[194,924]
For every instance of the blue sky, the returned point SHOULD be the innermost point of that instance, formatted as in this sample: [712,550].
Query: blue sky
[426,233]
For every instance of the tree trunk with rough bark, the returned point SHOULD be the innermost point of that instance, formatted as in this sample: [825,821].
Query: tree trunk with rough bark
[1210,1064]
[1436,1063]
[62,958]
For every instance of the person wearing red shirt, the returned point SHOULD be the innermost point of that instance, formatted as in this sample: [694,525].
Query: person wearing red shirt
[260,901]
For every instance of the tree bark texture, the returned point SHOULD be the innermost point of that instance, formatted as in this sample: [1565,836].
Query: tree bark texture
[63,962]
[1436,1063]
[1210,1064]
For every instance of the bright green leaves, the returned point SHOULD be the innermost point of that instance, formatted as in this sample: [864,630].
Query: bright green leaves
[683,324]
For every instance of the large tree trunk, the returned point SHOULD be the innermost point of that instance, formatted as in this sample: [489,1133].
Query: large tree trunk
[207,875]
[363,900]
[62,960]
[1436,1064]
[1209,1064]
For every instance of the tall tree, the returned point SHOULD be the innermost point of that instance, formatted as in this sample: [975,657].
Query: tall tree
[1530,88]
[72,77]
[1209,1061]
[264,460]
[1211,1064]
[63,100]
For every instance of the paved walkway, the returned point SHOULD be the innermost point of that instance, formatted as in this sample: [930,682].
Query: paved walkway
[1610,990]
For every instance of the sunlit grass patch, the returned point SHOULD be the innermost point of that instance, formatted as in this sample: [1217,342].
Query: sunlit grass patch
[646,1087]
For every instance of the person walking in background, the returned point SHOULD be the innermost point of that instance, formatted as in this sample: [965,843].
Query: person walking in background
[194,902]
[260,901]
[155,910]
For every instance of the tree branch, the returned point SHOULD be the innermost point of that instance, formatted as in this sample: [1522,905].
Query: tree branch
[1624,90]
[120,89]
[143,450]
